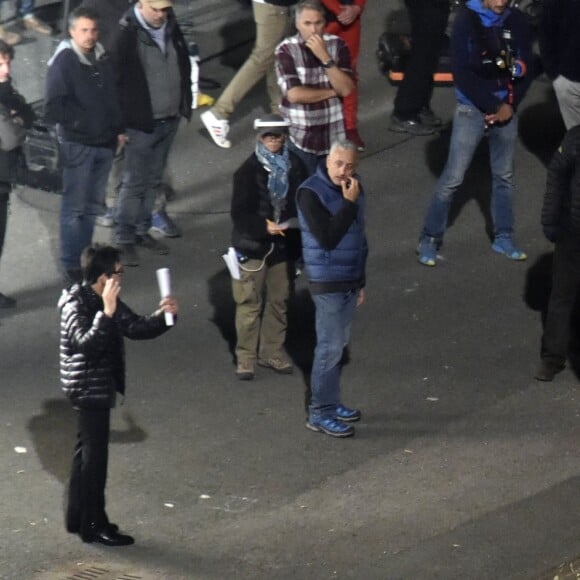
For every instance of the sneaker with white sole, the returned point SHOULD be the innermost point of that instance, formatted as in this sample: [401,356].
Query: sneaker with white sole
[346,414]
[329,426]
[427,251]
[164,225]
[218,129]
[503,244]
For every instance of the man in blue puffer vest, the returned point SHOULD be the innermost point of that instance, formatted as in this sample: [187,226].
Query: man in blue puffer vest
[331,214]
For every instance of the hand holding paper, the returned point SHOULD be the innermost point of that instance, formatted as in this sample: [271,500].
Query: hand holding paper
[164,281]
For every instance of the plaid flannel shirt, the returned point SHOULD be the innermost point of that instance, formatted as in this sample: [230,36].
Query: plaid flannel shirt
[314,126]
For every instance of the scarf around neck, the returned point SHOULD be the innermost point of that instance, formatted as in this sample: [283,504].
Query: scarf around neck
[277,165]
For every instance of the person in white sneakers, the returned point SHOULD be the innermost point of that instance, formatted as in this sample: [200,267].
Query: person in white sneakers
[273,21]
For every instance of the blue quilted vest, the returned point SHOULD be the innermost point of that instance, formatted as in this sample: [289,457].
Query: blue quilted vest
[346,262]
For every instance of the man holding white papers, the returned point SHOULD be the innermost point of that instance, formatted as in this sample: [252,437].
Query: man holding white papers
[267,242]
[94,322]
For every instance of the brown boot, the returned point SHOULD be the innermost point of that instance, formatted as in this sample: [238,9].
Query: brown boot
[8,37]
[245,370]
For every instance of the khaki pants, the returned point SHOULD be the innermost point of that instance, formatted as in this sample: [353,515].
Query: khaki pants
[272,26]
[261,304]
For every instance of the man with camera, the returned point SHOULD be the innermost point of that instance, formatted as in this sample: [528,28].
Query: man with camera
[491,48]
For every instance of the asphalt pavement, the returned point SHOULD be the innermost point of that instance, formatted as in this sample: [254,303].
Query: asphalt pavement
[463,466]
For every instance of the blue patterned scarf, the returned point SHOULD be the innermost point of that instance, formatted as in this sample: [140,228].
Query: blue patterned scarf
[277,165]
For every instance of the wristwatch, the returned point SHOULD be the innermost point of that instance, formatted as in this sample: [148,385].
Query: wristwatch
[329,63]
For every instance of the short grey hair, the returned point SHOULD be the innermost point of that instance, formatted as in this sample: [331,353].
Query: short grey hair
[309,5]
[344,144]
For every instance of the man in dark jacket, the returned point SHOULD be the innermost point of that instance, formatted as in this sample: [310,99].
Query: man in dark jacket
[491,56]
[81,99]
[267,242]
[92,371]
[334,248]
[561,224]
[15,117]
[153,76]
[560,47]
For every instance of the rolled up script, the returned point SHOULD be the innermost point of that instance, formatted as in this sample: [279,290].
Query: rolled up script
[164,281]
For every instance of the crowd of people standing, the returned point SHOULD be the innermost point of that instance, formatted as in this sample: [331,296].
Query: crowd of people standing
[297,197]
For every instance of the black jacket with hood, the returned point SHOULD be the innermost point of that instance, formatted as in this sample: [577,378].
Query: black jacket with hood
[131,79]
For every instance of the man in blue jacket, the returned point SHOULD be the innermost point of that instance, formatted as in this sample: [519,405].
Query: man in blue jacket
[491,55]
[81,99]
[334,247]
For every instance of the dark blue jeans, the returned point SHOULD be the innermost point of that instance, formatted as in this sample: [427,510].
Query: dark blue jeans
[334,314]
[84,180]
[145,159]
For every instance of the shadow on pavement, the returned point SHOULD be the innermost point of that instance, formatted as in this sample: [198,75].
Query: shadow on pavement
[53,434]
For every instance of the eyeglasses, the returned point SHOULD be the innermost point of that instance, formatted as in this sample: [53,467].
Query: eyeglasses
[272,137]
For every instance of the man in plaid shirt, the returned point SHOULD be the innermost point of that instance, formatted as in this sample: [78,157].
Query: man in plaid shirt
[314,74]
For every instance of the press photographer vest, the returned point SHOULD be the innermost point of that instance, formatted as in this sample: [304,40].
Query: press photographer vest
[496,59]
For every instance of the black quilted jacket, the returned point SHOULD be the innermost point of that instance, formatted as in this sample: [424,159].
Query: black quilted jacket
[92,354]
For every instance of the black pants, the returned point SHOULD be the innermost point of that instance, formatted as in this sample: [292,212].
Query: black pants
[4,195]
[565,284]
[428,23]
[85,512]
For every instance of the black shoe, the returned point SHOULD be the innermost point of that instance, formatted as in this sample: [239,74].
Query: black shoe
[6,301]
[548,370]
[411,126]
[129,256]
[429,118]
[149,242]
[108,537]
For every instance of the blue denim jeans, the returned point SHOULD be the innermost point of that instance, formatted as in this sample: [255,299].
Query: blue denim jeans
[468,130]
[334,313]
[24,7]
[145,159]
[84,180]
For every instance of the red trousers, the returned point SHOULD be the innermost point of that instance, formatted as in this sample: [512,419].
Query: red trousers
[351,36]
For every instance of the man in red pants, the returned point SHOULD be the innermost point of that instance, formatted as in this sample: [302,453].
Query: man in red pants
[343,20]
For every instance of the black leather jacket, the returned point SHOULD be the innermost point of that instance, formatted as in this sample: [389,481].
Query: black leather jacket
[92,353]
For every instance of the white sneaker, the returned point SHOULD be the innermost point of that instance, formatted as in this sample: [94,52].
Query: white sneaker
[217,128]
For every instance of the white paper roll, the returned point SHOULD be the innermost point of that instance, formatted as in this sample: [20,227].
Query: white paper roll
[164,281]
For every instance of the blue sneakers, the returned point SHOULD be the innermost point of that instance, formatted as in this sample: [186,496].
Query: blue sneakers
[347,415]
[164,225]
[427,251]
[330,426]
[504,245]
